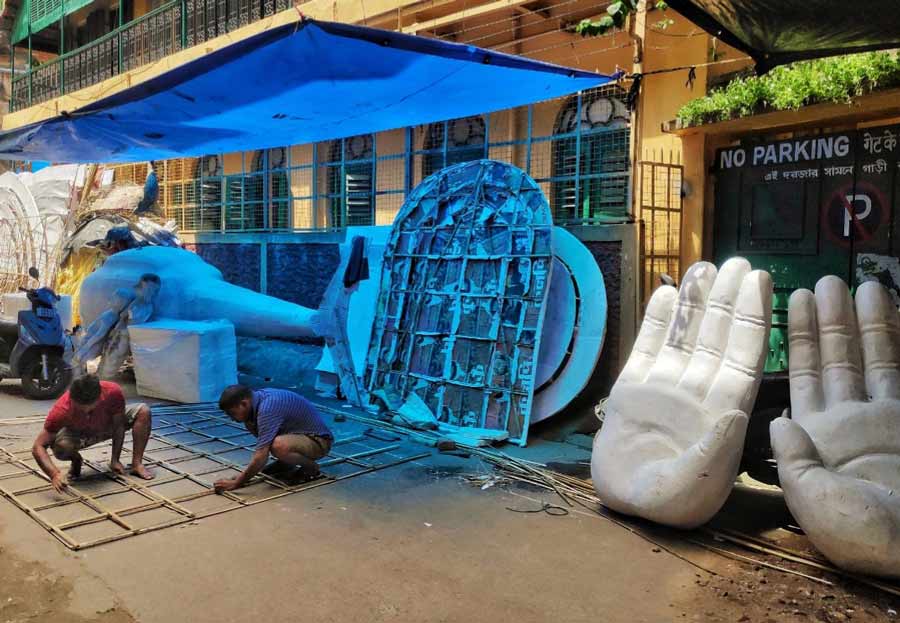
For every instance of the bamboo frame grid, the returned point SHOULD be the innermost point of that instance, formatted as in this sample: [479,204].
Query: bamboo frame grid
[188,430]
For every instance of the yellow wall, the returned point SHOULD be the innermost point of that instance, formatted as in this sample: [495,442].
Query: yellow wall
[141,7]
[233,163]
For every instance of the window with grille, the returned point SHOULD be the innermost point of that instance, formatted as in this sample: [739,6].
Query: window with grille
[591,161]
[260,198]
[465,140]
[351,181]
[208,191]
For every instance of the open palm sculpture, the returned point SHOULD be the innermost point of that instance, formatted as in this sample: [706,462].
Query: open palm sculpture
[675,422]
[839,454]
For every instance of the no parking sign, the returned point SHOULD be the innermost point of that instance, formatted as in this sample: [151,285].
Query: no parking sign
[855,212]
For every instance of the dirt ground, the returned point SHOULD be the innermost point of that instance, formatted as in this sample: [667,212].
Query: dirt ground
[417,542]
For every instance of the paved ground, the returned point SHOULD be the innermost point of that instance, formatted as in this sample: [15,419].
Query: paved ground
[413,543]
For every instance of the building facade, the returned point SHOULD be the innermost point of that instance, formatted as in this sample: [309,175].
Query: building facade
[611,173]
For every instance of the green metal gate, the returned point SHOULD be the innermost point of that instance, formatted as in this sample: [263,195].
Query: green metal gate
[807,207]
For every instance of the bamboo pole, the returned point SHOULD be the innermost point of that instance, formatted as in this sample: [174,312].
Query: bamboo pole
[145,491]
[300,488]
[754,561]
[14,475]
[89,178]
[59,534]
[773,550]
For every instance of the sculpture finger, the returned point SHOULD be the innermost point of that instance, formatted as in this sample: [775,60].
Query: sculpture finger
[681,337]
[715,328]
[651,336]
[851,521]
[879,329]
[842,377]
[807,395]
[736,383]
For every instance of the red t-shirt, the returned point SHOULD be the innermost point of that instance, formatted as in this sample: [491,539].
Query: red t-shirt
[63,414]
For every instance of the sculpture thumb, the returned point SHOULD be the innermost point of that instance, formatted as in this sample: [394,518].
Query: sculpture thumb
[795,452]
[703,476]
[850,520]
[721,446]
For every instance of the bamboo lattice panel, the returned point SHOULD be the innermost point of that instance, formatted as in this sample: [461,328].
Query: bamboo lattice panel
[191,447]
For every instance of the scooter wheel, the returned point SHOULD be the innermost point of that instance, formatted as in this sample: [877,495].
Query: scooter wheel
[36,386]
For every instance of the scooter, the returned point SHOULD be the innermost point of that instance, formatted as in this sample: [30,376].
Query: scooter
[32,348]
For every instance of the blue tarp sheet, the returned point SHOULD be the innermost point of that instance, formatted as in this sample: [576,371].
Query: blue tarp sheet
[299,83]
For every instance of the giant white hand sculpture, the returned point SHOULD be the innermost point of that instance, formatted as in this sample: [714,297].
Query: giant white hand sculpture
[839,455]
[675,422]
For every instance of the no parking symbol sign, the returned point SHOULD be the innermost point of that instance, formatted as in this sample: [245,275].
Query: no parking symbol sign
[855,212]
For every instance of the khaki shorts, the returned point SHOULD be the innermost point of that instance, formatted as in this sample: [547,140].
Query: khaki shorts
[79,440]
[311,446]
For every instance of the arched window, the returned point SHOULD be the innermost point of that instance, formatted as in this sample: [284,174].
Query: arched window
[265,189]
[465,141]
[591,162]
[351,178]
[279,189]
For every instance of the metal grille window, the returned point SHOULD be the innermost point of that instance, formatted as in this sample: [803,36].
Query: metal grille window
[591,158]
[260,198]
[208,190]
[351,181]
[660,203]
[452,142]
[583,168]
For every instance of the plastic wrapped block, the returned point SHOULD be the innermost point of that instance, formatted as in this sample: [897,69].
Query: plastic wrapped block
[184,361]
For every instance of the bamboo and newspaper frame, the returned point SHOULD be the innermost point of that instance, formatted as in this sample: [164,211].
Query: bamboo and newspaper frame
[176,420]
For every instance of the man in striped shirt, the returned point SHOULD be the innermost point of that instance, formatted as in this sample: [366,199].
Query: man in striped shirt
[285,424]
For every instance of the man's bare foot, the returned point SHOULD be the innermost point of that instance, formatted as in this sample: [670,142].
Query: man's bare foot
[142,472]
[75,469]
[116,468]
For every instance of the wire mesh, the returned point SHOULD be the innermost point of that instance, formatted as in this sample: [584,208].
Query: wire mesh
[660,209]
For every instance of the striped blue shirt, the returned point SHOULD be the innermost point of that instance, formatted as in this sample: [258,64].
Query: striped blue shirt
[281,412]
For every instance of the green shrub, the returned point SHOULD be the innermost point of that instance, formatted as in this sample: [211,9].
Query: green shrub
[789,87]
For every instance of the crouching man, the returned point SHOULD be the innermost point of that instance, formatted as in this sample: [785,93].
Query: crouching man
[286,425]
[91,411]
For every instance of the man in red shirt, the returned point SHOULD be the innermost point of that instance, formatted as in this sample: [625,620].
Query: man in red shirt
[90,412]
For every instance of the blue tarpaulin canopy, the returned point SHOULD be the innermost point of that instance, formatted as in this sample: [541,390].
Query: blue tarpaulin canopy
[300,83]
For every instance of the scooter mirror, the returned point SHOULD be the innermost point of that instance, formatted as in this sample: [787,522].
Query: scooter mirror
[33,272]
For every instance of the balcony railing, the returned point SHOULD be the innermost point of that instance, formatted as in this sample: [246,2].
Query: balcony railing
[174,26]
